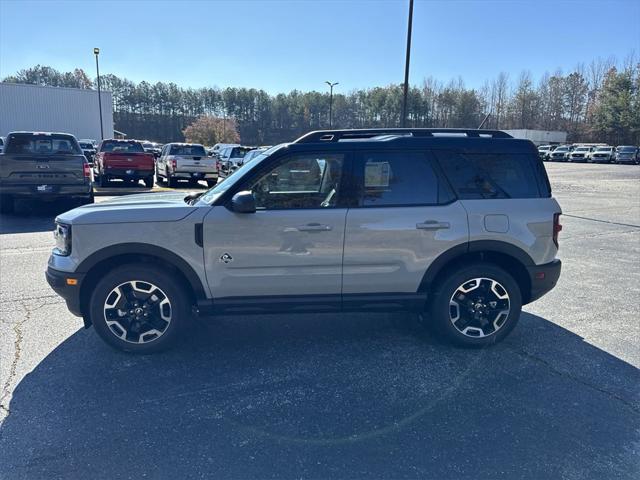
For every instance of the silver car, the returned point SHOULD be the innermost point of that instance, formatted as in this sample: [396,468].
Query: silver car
[457,227]
[627,154]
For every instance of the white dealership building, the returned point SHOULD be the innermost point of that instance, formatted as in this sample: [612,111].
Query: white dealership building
[540,137]
[54,109]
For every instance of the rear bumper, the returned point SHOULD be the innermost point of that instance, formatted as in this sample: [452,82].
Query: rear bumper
[196,175]
[47,190]
[57,280]
[128,172]
[543,278]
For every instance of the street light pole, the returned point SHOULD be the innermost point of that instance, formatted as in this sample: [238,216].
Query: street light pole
[96,52]
[406,67]
[331,85]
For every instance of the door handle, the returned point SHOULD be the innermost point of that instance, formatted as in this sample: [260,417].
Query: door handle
[432,225]
[314,227]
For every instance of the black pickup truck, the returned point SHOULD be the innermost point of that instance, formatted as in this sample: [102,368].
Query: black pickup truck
[43,165]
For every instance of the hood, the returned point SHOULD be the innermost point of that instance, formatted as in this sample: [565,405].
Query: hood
[145,207]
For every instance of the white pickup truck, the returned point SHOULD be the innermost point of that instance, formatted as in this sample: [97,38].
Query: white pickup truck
[186,161]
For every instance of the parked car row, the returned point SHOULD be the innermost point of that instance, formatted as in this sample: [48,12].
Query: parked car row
[590,153]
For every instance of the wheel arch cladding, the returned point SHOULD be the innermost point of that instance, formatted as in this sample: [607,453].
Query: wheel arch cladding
[512,259]
[99,263]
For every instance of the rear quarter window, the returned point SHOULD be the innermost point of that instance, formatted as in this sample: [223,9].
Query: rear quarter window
[479,176]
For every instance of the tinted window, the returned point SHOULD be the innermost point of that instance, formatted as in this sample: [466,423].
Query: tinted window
[42,145]
[299,181]
[121,147]
[397,178]
[189,150]
[476,176]
[239,152]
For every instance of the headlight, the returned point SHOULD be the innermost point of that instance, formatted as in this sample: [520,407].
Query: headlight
[62,234]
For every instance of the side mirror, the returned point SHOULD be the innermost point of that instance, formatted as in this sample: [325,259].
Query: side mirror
[243,202]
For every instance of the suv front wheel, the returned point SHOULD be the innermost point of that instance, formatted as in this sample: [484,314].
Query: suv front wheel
[139,308]
[476,305]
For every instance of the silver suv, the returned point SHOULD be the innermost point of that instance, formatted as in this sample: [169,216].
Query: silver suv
[458,226]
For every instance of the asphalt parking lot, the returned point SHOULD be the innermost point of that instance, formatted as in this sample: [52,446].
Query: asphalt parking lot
[338,396]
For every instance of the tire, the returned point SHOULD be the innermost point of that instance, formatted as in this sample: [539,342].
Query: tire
[143,281]
[211,183]
[104,180]
[87,200]
[495,325]
[7,204]
[148,182]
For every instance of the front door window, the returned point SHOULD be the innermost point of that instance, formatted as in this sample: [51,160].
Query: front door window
[300,181]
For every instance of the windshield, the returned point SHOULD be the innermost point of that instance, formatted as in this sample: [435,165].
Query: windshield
[604,149]
[194,150]
[626,149]
[86,146]
[582,149]
[147,145]
[562,149]
[124,147]
[544,148]
[211,195]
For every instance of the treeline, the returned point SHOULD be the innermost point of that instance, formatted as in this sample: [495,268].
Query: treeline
[596,102]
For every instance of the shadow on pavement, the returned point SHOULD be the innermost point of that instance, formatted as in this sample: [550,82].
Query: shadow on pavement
[33,216]
[326,396]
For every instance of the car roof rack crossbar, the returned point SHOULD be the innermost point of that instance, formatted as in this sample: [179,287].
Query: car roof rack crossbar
[354,134]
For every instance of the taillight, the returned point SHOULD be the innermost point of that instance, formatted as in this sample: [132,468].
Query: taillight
[86,170]
[557,228]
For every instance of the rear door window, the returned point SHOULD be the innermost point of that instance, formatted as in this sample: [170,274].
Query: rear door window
[477,176]
[398,178]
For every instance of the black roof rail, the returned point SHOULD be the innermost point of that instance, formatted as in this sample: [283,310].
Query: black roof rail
[352,134]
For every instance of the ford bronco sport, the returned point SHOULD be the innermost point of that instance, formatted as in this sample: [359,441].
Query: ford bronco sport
[456,225]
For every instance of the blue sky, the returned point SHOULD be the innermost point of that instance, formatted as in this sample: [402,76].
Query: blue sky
[283,45]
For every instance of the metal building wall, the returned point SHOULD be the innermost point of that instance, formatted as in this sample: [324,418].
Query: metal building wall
[539,137]
[54,109]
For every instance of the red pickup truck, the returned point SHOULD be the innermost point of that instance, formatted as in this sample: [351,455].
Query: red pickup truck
[125,159]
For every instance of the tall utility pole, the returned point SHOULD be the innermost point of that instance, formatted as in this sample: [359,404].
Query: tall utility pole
[331,85]
[96,52]
[406,67]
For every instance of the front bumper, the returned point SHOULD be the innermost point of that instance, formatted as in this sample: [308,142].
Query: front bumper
[543,278]
[58,281]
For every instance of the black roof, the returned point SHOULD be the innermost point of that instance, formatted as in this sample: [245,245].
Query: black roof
[391,138]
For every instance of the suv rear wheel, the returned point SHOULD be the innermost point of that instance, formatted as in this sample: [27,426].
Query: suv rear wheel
[139,308]
[476,305]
